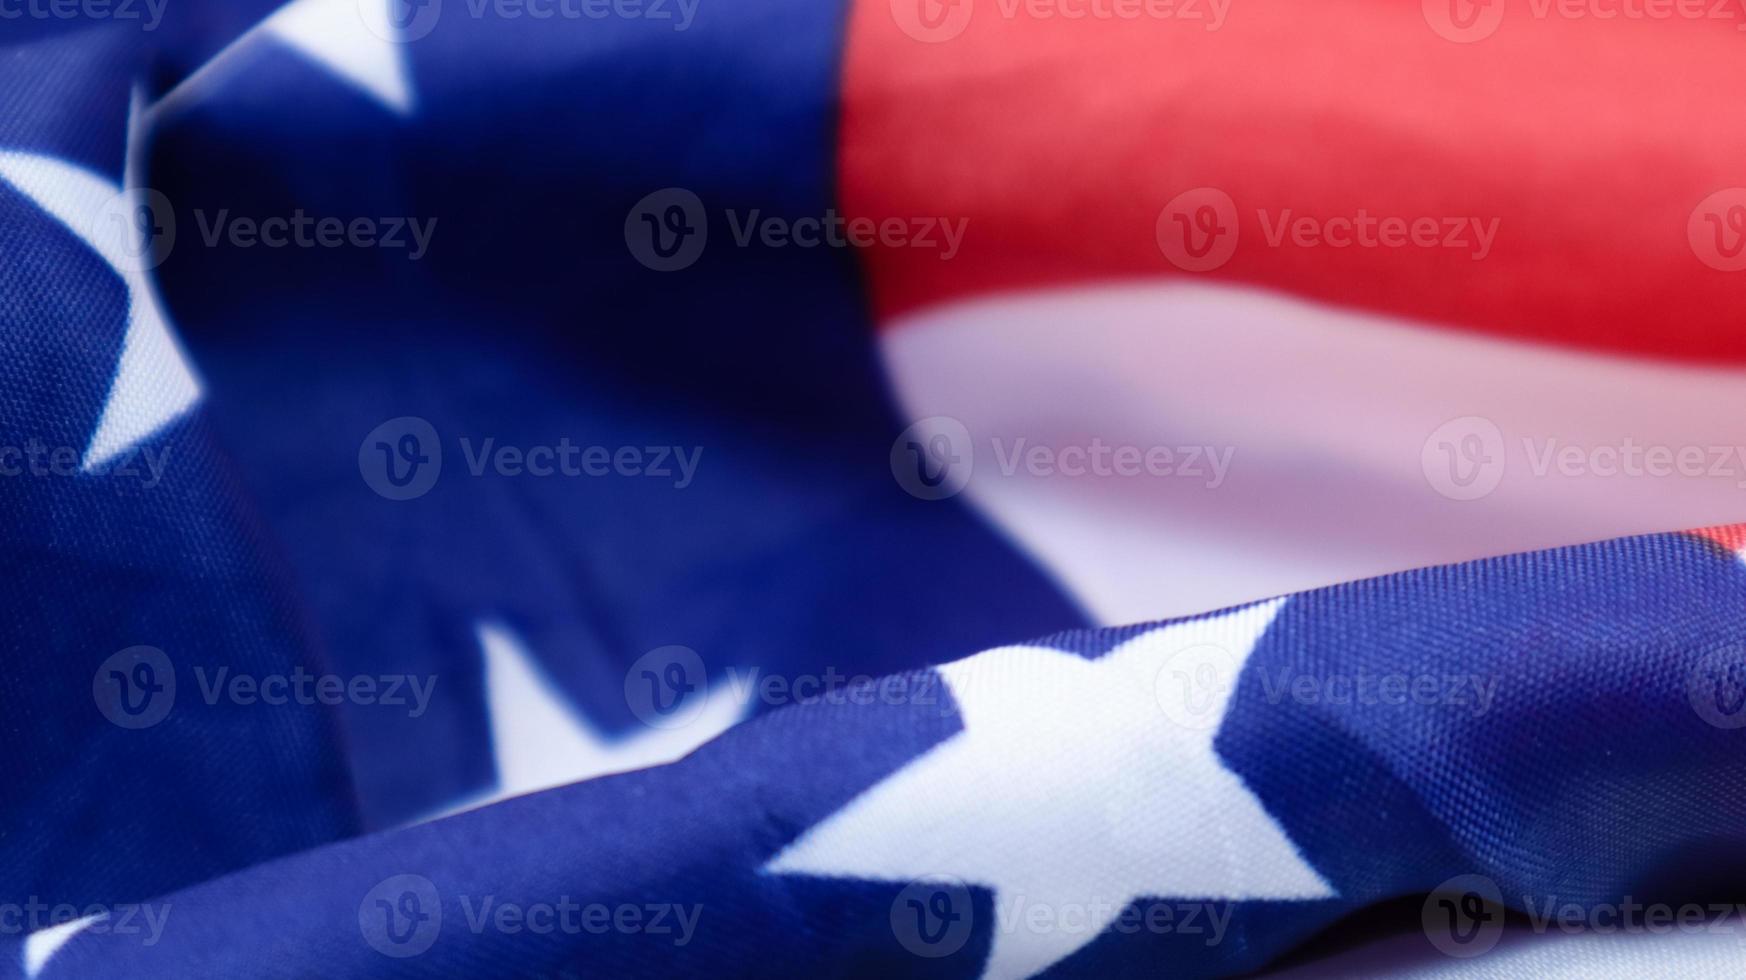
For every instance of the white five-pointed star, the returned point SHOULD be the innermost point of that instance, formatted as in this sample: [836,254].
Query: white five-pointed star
[153,384]
[42,945]
[330,33]
[540,741]
[1074,783]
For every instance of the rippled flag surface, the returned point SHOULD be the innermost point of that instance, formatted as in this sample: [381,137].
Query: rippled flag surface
[421,422]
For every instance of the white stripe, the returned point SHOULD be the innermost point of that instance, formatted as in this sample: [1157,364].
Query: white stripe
[1327,412]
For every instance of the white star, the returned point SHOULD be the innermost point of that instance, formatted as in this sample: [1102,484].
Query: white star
[1075,783]
[343,36]
[540,741]
[153,383]
[42,945]
[334,33]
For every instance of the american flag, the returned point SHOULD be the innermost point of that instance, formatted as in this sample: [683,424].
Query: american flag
[813,488]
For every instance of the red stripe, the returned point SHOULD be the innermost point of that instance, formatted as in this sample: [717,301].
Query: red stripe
[1592,142]
[1729,536]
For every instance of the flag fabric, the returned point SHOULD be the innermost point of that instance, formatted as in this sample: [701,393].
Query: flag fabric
[1203,793]
[657,488]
